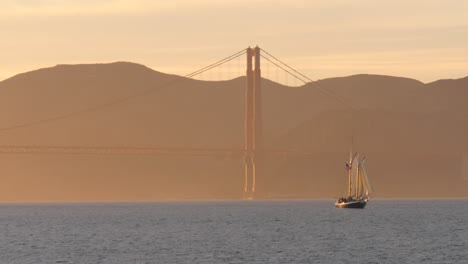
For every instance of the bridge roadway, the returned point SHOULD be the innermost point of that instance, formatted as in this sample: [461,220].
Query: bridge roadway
[150,151]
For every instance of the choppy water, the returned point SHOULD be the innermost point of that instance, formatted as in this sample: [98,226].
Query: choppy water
[391,231]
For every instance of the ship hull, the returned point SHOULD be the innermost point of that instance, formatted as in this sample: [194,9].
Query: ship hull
[357,204]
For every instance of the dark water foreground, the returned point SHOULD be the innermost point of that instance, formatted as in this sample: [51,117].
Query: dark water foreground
[387,231]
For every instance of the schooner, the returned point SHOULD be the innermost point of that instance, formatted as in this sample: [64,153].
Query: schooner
[359,184]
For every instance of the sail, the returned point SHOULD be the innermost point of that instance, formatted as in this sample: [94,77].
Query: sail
[360,183]
[354,175]
[365,178]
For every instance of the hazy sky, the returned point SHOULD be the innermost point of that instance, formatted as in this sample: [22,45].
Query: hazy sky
[425,39]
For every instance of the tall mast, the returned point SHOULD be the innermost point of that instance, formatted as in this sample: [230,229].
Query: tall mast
[358,190]
[350,167]
[349,171]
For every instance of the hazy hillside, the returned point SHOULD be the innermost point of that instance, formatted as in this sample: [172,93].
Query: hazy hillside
[159,117]
[414,134]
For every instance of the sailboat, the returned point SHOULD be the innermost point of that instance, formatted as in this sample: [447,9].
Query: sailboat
[359,184]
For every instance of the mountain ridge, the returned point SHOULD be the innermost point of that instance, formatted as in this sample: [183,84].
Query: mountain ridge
[126,104]
[142,66]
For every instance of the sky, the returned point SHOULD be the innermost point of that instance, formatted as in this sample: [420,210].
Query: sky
[422,39]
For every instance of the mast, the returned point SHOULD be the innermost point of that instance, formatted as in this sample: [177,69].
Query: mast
[349,172]
[357,181]
[350,165]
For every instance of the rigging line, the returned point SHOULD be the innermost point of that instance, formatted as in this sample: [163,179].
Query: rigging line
[114,102]
[284,69]
[307,78]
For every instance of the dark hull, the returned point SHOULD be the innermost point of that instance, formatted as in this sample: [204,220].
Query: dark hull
[358,204]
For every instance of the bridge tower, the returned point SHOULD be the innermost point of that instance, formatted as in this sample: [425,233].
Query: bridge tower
[253,122]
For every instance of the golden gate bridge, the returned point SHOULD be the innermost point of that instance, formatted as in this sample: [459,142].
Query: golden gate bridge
[253,152]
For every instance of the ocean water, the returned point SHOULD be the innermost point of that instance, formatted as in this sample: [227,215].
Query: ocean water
[386,231]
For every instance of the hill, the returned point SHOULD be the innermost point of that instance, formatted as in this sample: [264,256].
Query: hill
[413,134]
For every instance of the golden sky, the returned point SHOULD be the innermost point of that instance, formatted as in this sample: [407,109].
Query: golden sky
[422,39]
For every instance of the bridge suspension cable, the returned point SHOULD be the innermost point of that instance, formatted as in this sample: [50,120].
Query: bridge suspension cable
[270,58]
[302,77]
[123,99]
[216,64]
[287,71]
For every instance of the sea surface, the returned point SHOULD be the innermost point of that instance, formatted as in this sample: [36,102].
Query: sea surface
[308,231]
